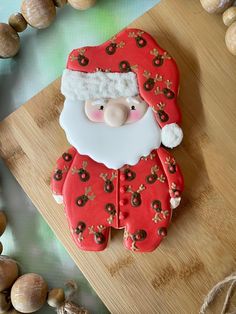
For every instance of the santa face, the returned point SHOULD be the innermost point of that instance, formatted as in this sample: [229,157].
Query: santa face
[116,112]
[114,131]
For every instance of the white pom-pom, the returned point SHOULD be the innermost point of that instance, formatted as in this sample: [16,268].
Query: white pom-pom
[171,135]
[58,198]
[174,202]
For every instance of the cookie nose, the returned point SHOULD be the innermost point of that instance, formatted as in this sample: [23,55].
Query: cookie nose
[115,115]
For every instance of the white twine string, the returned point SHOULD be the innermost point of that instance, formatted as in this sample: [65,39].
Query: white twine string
[216,289]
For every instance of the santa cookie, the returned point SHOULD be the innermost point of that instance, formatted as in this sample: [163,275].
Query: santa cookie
[120,107]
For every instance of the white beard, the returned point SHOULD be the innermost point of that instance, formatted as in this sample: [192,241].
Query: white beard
[113,147]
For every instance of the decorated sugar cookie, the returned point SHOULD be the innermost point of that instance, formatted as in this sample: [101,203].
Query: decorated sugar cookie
[120,109]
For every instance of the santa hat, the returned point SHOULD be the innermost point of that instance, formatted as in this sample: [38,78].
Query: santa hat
[129,64]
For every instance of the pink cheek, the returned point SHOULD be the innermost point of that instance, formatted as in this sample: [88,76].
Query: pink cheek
[96,116]
[135,115]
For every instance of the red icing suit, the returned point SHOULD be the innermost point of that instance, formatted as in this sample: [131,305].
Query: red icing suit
[136,198]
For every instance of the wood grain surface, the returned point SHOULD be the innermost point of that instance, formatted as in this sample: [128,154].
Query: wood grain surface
[201,246]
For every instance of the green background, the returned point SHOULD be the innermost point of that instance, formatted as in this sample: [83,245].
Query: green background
[41,60]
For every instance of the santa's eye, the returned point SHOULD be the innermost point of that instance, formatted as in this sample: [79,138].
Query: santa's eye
[133,108]
[101,107]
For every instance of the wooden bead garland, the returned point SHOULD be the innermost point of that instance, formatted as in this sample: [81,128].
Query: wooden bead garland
[9,41]
[38,14]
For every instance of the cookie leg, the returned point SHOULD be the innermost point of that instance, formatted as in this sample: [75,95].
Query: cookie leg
[143,239]
[91,238]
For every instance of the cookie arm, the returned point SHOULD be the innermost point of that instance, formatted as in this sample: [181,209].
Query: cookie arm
[174,176]
[60,172]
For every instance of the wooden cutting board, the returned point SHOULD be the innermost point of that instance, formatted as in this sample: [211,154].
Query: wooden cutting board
[201,247]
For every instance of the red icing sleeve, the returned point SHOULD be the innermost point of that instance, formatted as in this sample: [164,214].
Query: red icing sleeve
[60,171]
[172,171]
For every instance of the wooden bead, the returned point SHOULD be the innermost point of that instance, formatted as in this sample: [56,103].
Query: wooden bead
[229,16]
[56,297]
[9,272]
[3,221]
[18,22]
[9,41]
[1,248]
[60,3]
[39,14]
[29,293]
[216,6]
[82,4]
[5,302]
[230,38]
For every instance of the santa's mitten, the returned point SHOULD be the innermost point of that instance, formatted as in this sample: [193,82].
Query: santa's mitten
[58,198]
[174,202]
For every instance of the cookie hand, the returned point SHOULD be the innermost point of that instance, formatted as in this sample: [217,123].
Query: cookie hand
[174,202]
[58,198]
